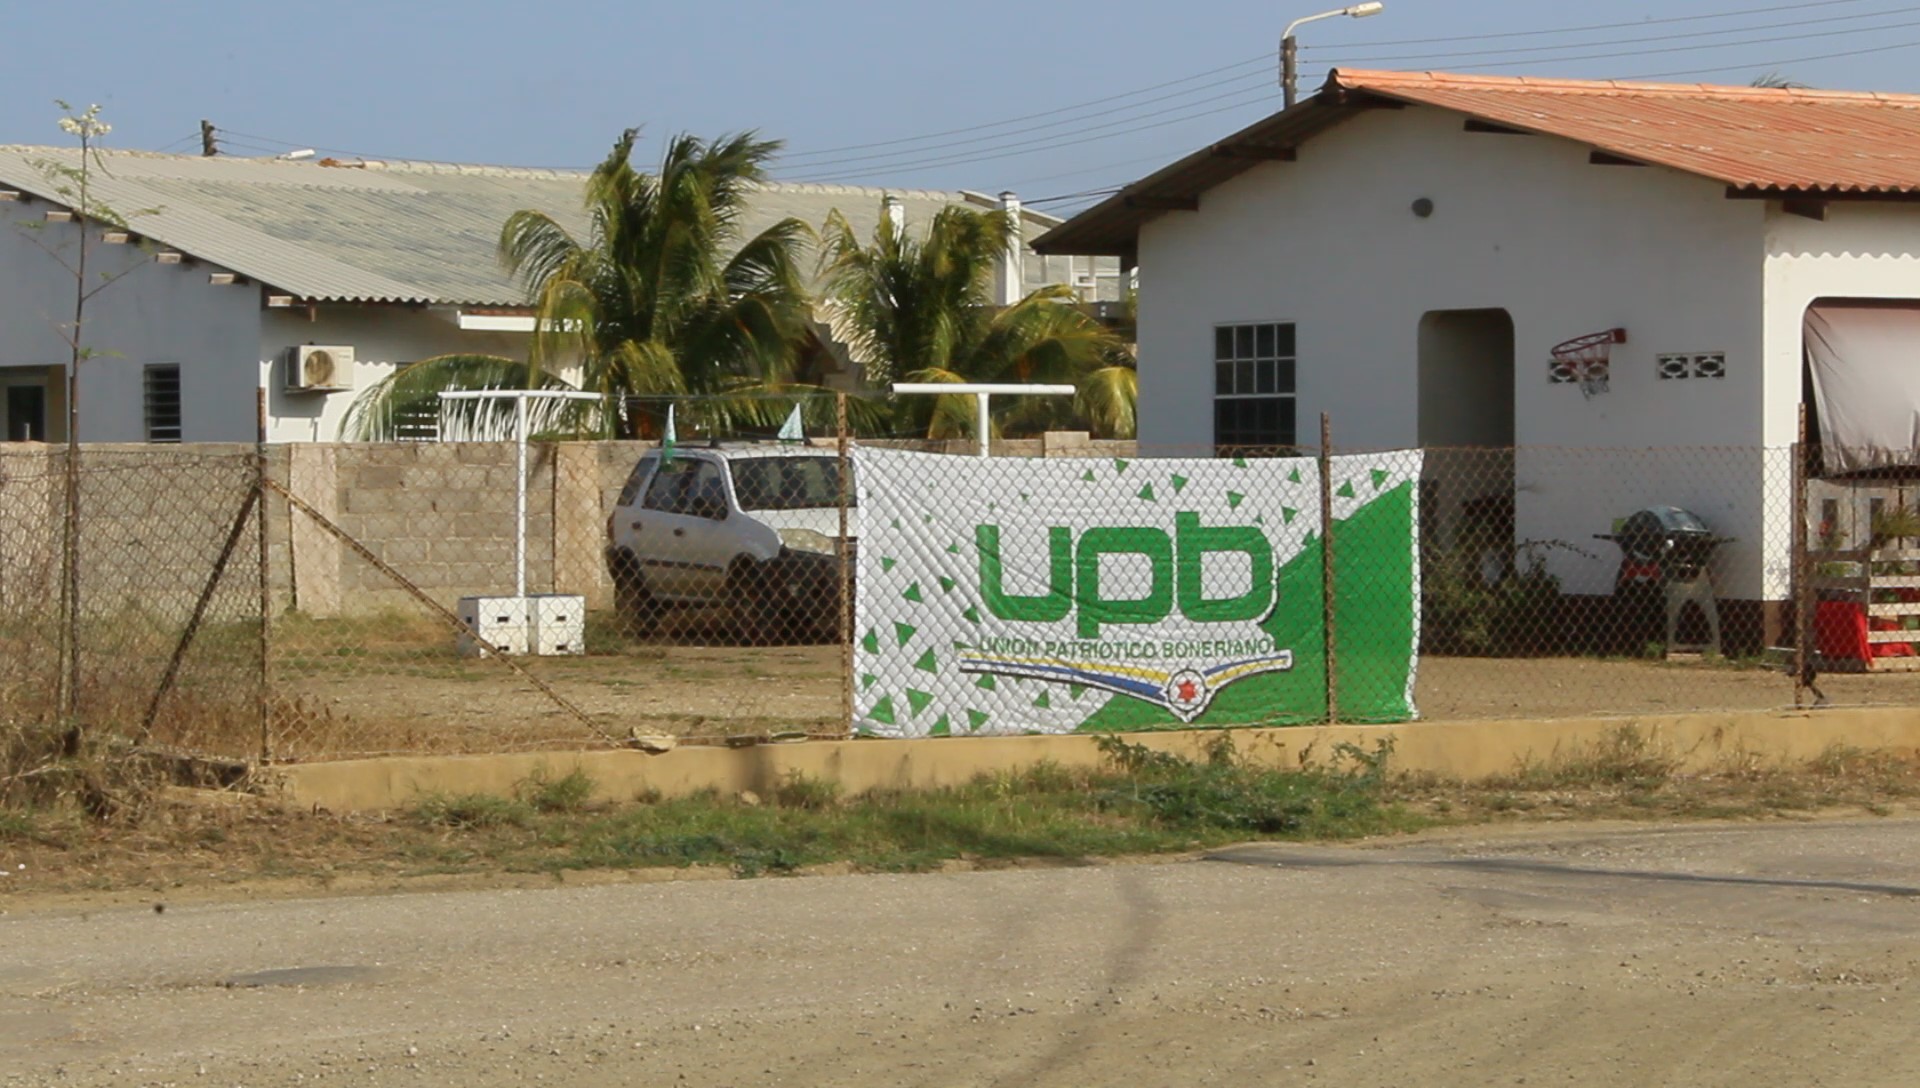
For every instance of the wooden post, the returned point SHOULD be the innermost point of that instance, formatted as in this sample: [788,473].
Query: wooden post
[845,551]
[1804,598]
[266,577]
[1326,565]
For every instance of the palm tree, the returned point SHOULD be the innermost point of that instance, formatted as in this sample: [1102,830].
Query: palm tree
[922,310]
[648,304]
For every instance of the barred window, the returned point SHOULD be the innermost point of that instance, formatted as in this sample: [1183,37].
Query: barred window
[163,402]
[1253,388]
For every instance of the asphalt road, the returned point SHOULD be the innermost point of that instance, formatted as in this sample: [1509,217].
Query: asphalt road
[1755,954]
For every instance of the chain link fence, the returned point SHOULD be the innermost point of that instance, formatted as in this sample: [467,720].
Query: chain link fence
[327,601]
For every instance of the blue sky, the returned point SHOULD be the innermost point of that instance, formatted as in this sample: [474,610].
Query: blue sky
[551,84]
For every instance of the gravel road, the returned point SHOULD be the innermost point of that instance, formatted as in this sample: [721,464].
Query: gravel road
[1737,955]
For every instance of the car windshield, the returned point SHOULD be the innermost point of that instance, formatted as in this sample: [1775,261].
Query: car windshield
[787,483]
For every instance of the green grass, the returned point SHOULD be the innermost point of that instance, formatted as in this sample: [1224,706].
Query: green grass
[1142,802]
[17,826]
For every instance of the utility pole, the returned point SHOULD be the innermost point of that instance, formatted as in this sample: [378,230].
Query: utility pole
[1290,49]
[1290,70]
[209,147]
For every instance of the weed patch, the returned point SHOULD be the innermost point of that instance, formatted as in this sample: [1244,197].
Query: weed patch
[1625,758]
[1224,793]
[568,793]
[473,811]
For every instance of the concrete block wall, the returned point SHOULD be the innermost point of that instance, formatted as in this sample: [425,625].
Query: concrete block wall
[441,514]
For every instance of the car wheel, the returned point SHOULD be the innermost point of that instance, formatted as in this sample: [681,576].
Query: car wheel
[751,606]
[638,609]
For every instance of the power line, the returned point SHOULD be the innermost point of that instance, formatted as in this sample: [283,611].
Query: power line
[1264,59]
[170,145]
[1658,38]
[1694,48]
[1267,58]
[819,165]
[1265,93]
[1611,26]
[1135,161]
[882,155]
[1083,194]
[995,146]
[1774,63]
[1264,90]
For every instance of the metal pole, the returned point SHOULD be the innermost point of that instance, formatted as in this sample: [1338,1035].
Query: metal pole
[199,615]
[982,424]
[1289,70]
[520,496]
[1804,597]
[845,551]
[266,577]
[1326,566]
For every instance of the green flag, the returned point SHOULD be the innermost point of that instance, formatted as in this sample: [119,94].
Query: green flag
[667,438]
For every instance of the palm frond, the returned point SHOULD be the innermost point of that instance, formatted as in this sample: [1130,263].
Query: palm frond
[408,400]
[536,249]
[946,416]
[1108,400]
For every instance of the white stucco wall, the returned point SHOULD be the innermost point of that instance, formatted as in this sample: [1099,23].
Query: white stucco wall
[154,314]
[1859,251]
[1522,223]
[382,337]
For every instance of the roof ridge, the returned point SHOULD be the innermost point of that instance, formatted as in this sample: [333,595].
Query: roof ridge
[831,188]
[1363,78]
[436,166]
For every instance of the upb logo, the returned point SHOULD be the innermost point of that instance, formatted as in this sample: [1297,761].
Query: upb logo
[1176,578]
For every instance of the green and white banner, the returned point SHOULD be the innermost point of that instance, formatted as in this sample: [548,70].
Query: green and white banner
[1021,595]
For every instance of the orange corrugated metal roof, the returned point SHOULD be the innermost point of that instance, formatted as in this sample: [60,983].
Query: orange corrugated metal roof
[1750,137]
[1758,141]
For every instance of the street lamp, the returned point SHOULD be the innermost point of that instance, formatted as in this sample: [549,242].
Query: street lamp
[1289,49]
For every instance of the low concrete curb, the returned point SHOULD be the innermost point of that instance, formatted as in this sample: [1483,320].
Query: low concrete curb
[1461,750]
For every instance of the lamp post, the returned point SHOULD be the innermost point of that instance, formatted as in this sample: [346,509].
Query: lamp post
[982,422]
[1289,49]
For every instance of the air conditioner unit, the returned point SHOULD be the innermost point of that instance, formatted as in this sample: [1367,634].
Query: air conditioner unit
[312,368]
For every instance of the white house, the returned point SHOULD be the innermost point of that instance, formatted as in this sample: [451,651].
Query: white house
[1404,250]
[233,268]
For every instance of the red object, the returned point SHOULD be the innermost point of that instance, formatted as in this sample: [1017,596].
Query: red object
[1840,632]
[1750,138]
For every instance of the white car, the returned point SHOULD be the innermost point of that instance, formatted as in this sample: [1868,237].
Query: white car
[753,529]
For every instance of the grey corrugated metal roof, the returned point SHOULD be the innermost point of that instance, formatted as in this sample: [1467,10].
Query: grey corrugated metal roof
[386,231]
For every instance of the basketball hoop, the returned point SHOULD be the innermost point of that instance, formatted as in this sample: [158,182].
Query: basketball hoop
[1586,360]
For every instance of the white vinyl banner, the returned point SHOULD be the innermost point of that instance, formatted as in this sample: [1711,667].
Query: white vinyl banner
[1059,595]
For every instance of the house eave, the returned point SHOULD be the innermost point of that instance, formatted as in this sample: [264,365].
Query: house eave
[1111,228]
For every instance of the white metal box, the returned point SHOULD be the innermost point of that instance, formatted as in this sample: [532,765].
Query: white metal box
[493,624]
[557,623]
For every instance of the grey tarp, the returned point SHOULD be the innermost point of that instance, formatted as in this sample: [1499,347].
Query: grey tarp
[1865,359]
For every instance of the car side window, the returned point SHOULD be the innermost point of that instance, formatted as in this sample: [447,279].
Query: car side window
[669,487]
[706,494]
[630,491]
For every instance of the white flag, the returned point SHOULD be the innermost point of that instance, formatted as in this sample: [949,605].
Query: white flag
[790,430]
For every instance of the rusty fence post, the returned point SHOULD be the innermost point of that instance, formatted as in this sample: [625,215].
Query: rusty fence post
[846,553]
[1801,580]
[1326,566]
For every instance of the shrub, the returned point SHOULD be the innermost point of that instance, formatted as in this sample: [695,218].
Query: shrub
[568,793]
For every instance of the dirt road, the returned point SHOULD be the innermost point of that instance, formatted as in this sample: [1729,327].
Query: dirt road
[1755,954]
